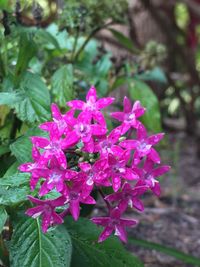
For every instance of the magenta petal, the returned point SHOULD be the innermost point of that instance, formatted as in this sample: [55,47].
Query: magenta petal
[56,218]
[160,171]
[127,105]
[36,200]
[131,175]
[100,220]
[154,139]
[43,189]
[56,112]
[26,167]
[156,189]
[116,183]
[98,130]
[105,234]
[85,166]
[129,144]
[148,165]
[59,154]
[41,142]
[104,102]
[76,104]
[88,200]
[98,116]
[74,209]
[35,212]
[91,95]
[46,126]
[141,132]
[114,197]
[118,115]
[121,233]
[35,153]
[153,155]
[137,203]
[128,222]
[46,219]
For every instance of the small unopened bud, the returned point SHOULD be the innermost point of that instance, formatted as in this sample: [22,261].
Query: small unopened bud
[78,151]
[122,138]
[81,159]
[91,155]
[92,160]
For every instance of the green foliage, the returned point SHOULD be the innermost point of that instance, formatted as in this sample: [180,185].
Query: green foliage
[87,252]
[141,91]
[22,147]
[62,85]
[3,218]
[30,247]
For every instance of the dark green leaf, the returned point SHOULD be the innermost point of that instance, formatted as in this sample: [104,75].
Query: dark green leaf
[31,248]
[62,84]
[141,91]
[87,252]
[123,40]
[155,74]
[4,149]
[10,196]
[35,103]
[3,218]
[22,147]
[166,250]
[15,180]
[27,50]
[9,98]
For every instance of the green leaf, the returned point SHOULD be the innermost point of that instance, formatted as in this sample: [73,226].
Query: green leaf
[27,50]
[22,147]
[62,84]
[9,98]
[10,196]
[155,74]
[123,40]
[4,149]
[3,218]
[35,103]
[166,250]
[15,180]
[31,248]
[139,90]
[87,252]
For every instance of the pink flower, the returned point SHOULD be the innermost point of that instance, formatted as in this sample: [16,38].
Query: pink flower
[46,208]
[148,174]
[32,167]
[92,105]
[75,196]
[143,145]
[55,177]
[107,144]
[59,120]
[93,175]
[129,196]
[113,223]
[129,116]
[52,147]
[83,130]
[117,170]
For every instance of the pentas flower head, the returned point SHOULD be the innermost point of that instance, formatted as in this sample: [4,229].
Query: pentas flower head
[80,156]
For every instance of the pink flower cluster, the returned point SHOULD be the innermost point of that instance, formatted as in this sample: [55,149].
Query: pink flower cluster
[79,156]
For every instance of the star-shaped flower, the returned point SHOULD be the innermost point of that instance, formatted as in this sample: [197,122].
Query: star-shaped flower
[113,223]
